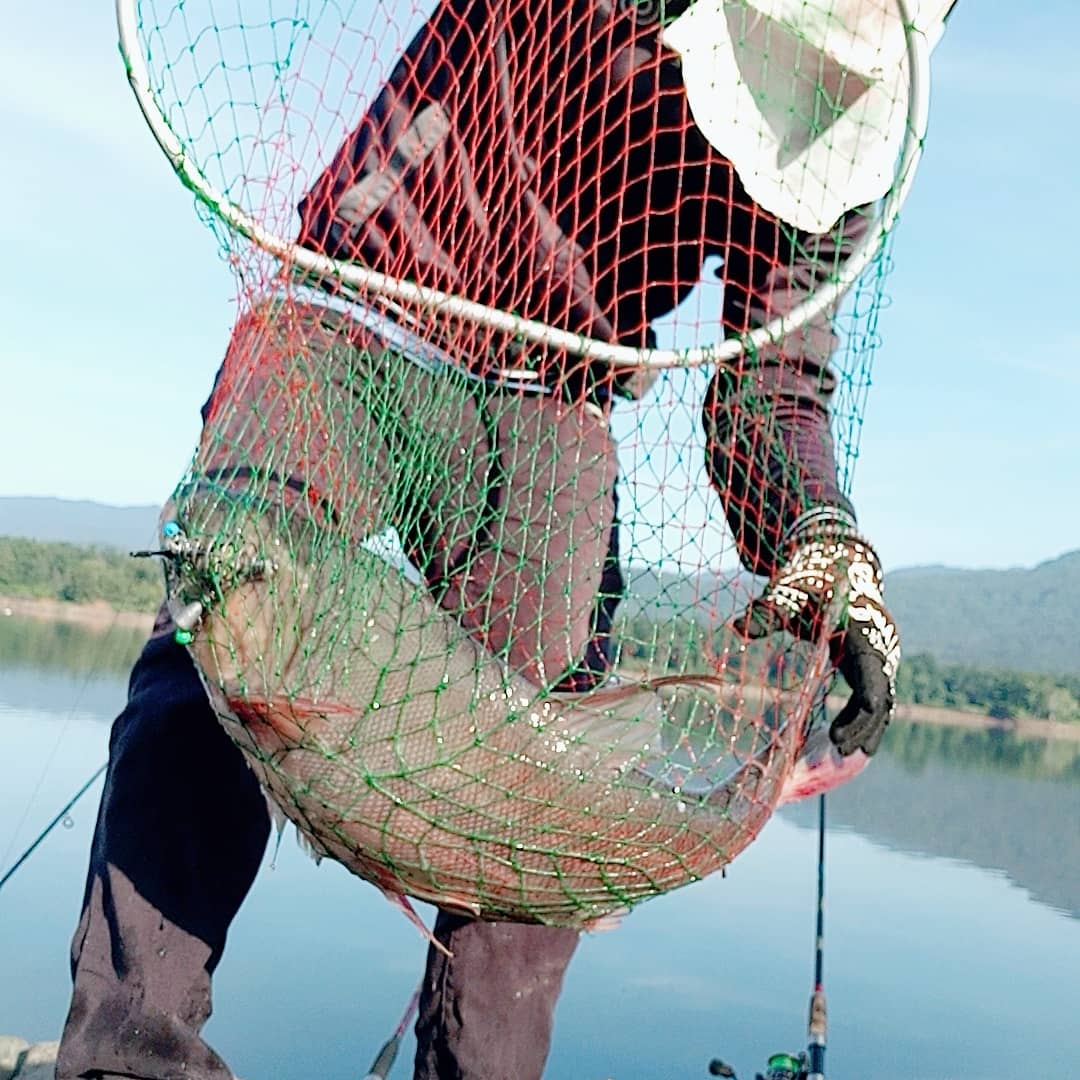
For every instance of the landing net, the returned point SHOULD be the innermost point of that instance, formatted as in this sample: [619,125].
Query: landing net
[537,365]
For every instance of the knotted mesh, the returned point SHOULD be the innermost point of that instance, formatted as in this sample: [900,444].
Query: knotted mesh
[460,594]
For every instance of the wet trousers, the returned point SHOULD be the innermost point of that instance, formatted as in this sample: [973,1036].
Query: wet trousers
[167,876]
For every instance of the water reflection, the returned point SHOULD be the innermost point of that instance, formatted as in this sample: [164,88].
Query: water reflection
[927,951]
[917,746]
[996,801]
[70,648]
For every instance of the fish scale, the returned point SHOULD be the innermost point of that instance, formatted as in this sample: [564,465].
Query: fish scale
[410,754]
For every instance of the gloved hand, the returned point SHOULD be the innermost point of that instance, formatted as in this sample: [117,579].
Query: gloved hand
[831,585]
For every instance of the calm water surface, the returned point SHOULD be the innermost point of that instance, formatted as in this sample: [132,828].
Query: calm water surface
[953,924]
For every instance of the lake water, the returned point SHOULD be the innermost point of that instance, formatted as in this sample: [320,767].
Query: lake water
[952,929]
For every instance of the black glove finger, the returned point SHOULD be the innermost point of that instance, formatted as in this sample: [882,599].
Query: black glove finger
[858,728]
[875,732]
[759,620]
[862,722]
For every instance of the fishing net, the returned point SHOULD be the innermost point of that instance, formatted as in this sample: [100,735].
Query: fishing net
[512,424]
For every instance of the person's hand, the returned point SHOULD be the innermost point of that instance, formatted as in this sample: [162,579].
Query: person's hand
[831,586]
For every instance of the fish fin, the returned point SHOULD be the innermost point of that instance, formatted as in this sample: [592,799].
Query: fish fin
[401,902]
[277,815]
[819,768]
[307,846]
[604,924]
[280,820]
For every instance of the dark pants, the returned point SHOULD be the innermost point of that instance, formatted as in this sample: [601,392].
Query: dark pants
[180,835]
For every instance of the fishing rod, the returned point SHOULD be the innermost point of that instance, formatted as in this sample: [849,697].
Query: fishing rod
[61,814]
[98,653]
[384,1059]
[817,1027]
[817,1024]
[810,1064]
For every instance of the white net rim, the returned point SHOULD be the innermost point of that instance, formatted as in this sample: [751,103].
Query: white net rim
[360,279]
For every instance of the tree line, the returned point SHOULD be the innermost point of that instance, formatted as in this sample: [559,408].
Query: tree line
[38,570]
[679,645]
[663,644]
[1000,693]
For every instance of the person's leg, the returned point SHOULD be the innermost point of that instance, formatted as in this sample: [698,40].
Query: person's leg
[180,834]
[524,572]
[487,1014]
[533,572]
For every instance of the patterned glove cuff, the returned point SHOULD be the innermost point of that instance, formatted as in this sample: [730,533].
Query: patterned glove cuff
[819,522]
[829,532]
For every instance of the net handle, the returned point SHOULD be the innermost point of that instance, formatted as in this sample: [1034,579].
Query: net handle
[364,280]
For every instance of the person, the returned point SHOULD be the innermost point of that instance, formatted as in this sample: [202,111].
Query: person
[593,209]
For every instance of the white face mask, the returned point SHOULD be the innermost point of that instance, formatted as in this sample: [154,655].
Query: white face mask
[808,99]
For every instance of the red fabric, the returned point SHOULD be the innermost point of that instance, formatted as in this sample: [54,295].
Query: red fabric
[540,158]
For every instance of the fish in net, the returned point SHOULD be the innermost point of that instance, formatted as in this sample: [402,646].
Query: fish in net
[526,393]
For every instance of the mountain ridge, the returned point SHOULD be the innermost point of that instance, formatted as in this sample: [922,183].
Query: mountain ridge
[78,521]
[1021,618]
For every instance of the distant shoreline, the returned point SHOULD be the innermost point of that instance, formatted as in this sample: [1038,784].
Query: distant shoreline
[1024,727]
[101,616]
[98,615]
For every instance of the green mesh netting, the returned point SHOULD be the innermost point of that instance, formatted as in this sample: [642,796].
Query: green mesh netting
[462,596]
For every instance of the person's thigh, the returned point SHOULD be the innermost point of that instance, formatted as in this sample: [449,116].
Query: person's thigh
[527,581]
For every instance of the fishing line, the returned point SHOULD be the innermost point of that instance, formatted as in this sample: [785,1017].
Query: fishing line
[384,1059]
[61,814]
[90,674]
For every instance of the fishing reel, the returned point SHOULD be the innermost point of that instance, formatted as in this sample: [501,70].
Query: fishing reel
[778,1067]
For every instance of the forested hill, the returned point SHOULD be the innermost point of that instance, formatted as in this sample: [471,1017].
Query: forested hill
[1027,620]
[1019,619]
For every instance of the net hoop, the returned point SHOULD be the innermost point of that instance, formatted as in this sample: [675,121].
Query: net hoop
[360,279]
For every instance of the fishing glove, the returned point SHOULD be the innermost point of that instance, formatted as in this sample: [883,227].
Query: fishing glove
[831,584]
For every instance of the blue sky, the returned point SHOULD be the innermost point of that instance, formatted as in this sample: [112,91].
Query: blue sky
[116,308]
